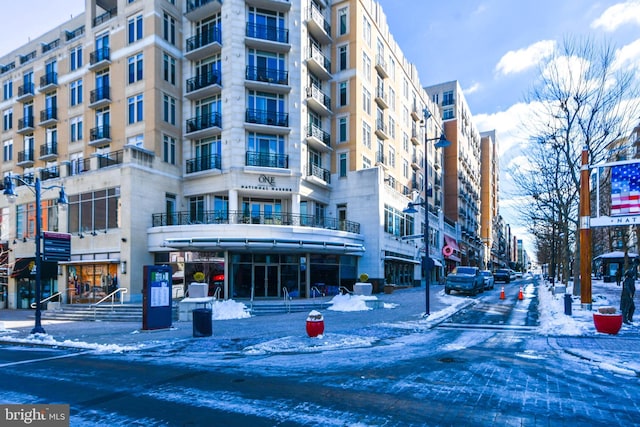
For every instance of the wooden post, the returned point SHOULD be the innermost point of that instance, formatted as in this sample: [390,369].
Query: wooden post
[585,233]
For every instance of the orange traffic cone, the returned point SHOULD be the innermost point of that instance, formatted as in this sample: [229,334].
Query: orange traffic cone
[502,293]
[520,296]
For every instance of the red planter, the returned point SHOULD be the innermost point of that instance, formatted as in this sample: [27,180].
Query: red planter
[315,328]
[607,323]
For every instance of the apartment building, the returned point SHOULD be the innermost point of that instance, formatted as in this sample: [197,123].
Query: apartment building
[489,192]
[270,144]
[462,170]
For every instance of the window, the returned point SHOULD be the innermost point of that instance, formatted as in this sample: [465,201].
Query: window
[392,157]
[75,58]
[343,21]
[134,28]
[343,129]
[135,68]
[343,57]
[169,149]
[26,217]
[447,114]
[366,101]
[136,140]
[169,28]
[135,108]
[405,168]
[366,66]
[405,142]
[75,92]
[169,109]
[75,128]
[94,210]
[266,150]
[342,94]
[169,68]
[366,162]
[7,150]
[366,134]
[7,89]
[77,164]
[366,30]
[342,165]
[392,128]
[7,119]
[447,98]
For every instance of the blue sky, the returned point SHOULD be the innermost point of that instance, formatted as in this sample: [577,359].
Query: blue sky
[491,47]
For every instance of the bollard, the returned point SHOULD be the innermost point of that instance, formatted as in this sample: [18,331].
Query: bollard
[315,324]
[567,304]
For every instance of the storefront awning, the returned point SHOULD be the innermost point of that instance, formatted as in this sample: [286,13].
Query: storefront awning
[270,245]
[395,258]
[451,242]
[453,258]
[436,263]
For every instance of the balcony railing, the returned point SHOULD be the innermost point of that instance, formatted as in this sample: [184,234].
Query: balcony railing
[266,117]
[204,122]
[318,172]
[99,55]
[316,54]
[204,163]
[183,218]
[267,160]
[100,132]
[26,89]
[317,94]
[100,94]
[194,4]
[316,15]
[48,114]
[203,80]
[105,16]
[49,149]
[315,132]
[267,32]
[268,75]
[50,173]
[49,79]
[110,159]
[203,38]
[25,122]
[26,156]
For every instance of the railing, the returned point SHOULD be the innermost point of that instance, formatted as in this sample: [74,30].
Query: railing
[343,290]
[105,16]
[287,299]
[216,294]
[267,160]
[204,38]
[267,32]
[100,132]
[317,171]
[49,298]
[99,55]
[314,291]
[316,132]
[267,117]
[203,80]
[111,296]
[316,15]
[316,54]
[204,163]
[267,75]
[317,94]
[110,159]
[204,121]
[240,217]
[50,173]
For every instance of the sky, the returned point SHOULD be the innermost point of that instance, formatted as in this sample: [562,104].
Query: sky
[492,47]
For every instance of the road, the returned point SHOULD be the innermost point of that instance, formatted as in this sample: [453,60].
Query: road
[485,366]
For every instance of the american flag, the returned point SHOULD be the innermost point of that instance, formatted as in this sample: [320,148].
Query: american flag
[625,189]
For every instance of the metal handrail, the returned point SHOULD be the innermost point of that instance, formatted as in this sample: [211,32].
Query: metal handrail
[216,294]
[49,298]
[314,291]
[112,295]
[344,290]
[71,288]
[287,298]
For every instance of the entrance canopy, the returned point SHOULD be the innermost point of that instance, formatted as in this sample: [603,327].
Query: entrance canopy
[269,245]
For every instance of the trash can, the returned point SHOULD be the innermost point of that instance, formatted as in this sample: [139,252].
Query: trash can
[567,304]
[202,322]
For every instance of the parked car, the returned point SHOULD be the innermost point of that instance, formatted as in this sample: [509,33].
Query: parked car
[502,275]
[512,275]
[518,274]
[487,277]
[464,279]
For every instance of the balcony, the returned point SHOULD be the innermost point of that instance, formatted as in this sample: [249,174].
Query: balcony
[203,85]
[110,159]
[26,158]
[381,98]
[267,160]
[318,101]
[271,79]
[197,10]
[100,136]
[318,25]
[25,125]
[267,37]
[26,92]
[187,218]
[381,66]
[275,5]
[415,115]
[380,159]
[317,172]
[204,163]
[267,117]
[100,97]
[48,82]
[203,126]
[415,136]
[52,172]
[49,151]
[381,129]
[106,16]
[99,59]
[204,44]
[48,116]
[318,138]
[318,63]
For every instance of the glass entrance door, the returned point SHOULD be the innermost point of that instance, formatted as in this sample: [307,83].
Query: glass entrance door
[265,280]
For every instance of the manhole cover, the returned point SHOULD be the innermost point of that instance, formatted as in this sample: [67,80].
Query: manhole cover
[447,360]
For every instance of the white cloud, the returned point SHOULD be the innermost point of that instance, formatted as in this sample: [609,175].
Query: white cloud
[519,60]
[628,56]
[618,15]
[474,88]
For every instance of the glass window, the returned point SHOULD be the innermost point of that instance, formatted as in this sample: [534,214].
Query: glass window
[135,108]
[343,129]
[343,57]
[169,109]
[135,67]
[76,128]
[7,89]
[169,149]
[7,150]
[75,58]
[169,28]
[7,119]
[75,92]
[169,68]
[342,164]
[134,28]
[343,21]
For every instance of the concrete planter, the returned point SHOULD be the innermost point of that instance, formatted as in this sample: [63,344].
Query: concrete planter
[363,288]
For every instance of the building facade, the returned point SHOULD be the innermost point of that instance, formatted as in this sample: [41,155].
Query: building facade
[269,144]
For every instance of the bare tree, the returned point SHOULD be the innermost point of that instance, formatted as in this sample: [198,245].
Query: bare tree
[582,99]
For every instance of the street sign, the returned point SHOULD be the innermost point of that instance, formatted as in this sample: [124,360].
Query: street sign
[57,246]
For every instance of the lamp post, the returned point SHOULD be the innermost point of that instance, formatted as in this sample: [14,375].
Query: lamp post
[426,260]
[10,193]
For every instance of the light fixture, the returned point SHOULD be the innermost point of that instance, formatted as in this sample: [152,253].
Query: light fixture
[123,267]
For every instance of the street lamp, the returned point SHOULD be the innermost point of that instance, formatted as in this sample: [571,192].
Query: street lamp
[10,192]
[427,262]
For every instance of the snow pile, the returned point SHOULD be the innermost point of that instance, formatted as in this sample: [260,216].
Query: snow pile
[552,319]
[349,302]
[229,309]
[45,339]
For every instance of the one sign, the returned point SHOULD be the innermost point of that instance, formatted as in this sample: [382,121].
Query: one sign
[57,246]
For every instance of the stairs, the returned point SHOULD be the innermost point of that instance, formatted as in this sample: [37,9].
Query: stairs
[117,313]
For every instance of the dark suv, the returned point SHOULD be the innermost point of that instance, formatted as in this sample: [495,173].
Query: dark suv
[502,275]
[464,279]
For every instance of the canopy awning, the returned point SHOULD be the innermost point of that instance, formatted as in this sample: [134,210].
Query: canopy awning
[453,258]
[451,242]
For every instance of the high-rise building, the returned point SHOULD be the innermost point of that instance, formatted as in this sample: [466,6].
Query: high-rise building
[270,144]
